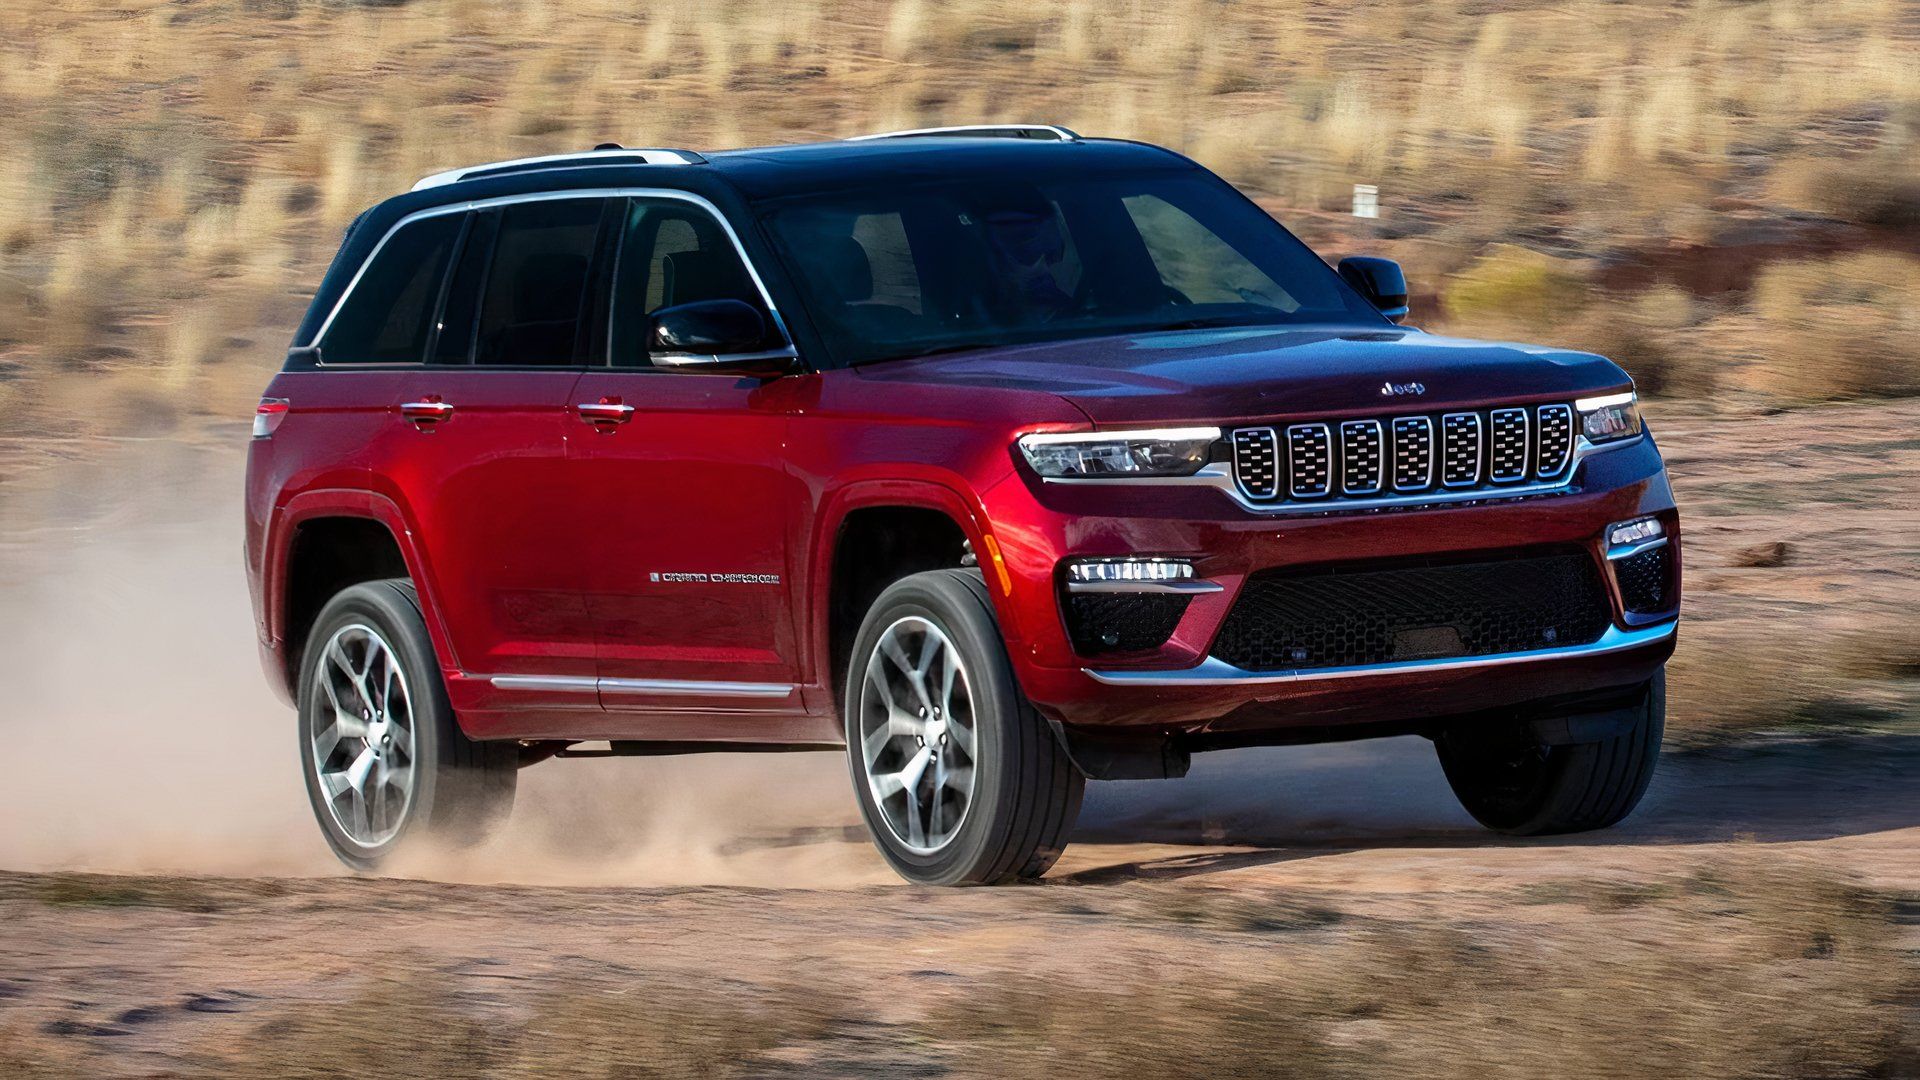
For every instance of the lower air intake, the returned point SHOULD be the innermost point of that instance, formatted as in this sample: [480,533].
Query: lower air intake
[1288,620]
[1646,581]
[1122,622]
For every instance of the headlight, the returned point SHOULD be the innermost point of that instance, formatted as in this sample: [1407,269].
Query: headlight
[1609,419]
[1083,454]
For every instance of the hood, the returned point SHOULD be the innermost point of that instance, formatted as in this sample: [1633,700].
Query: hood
[1225,376]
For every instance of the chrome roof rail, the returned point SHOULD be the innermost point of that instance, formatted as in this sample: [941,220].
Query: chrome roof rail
[583,159]
[1043,132]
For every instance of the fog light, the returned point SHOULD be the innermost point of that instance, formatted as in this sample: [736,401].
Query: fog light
[1628,533]
[1091,571]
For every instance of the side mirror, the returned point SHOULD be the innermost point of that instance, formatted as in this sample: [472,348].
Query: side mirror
[1380,281]
[715,335]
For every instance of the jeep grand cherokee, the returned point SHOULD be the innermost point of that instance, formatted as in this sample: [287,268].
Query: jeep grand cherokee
[1000,457]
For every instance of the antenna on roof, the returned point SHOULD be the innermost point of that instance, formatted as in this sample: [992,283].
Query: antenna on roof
[609,146]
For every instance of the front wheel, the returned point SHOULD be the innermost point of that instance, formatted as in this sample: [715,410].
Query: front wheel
[960,780]
[383,755]
[1514,783]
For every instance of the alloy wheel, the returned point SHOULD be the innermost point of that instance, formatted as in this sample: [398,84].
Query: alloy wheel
[363,741]
[917,734]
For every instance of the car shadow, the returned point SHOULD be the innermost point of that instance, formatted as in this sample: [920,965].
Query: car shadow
[1274,805]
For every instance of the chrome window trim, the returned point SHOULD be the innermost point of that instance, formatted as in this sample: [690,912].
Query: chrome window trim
[1326,432]
[1526,444]
[1219,474]
[693,362]
[693,688]
[1479,449]
[1433,452]
[580,159]
[1215,672]
[1379,472]
[471,205]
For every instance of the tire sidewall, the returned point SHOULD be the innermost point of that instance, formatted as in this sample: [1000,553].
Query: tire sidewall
[393,615]
[945,601]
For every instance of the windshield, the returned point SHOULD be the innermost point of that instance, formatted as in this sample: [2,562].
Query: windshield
[906,272]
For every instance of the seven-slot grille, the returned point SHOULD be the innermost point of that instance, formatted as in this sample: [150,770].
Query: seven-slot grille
[1404,455]
[1255,462]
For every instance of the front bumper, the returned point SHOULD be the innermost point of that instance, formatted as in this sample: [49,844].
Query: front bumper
[1180,688]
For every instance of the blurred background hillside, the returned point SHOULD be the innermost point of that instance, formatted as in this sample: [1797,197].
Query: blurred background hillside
[1723,195]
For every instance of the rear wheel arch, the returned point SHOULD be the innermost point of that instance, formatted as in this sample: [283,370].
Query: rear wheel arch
[326,554]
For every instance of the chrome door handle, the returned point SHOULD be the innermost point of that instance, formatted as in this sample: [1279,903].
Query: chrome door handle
[426,413]
[604,414]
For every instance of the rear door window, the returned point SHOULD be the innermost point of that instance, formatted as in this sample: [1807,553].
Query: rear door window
[536,300]
[388,314]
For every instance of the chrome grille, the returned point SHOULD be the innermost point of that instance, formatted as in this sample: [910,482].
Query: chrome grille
[1309,460]
[1555,441]
[1361,457]
[1412,453]
[1460,449]
[1398,458]
[1507,450]
[1256,462]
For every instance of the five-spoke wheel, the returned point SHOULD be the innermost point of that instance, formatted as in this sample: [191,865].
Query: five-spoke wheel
[917,734]
[960,780]
[363,756]
[383,755]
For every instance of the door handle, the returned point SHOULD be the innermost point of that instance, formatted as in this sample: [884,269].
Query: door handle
[604,414]
[427,412]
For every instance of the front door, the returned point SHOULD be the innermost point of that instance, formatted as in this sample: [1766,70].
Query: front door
[688,544]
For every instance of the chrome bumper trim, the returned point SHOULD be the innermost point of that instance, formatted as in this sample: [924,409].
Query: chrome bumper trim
[1187,588]
[1214,672]
[1628,552]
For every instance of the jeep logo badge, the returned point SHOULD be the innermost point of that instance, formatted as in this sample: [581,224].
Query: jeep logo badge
[1402,389]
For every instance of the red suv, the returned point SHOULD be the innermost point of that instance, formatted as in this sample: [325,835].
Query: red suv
[1001,457]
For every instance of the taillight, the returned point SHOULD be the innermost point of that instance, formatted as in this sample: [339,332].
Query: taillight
[267,416]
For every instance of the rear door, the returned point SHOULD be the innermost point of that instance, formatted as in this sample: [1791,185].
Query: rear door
[484,469]
[688,545]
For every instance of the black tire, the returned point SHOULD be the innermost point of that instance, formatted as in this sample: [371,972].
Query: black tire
[1514,784]
[1026,791]
[461,789]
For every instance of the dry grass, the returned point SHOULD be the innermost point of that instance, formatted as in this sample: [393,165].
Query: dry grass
[1783,973]
[1746,967]
[178,172]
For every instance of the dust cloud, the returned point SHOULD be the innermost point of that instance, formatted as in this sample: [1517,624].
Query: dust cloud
[141,734]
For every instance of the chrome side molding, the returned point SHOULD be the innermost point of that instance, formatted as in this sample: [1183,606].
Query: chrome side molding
[1216,672]
[682,687]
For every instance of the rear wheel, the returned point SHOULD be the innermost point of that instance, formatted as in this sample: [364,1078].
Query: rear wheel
[959,779]
[1513,783]
[383,757]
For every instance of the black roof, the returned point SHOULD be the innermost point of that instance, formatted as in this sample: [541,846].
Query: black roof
[732,178]
[773,171]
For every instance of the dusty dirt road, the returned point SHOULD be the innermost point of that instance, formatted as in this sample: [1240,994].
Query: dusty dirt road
[1317,911]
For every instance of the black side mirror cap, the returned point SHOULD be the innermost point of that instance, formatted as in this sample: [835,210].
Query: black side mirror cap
[1380,281]
[715,335]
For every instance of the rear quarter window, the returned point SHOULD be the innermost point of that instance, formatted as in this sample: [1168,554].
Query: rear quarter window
[389,310]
